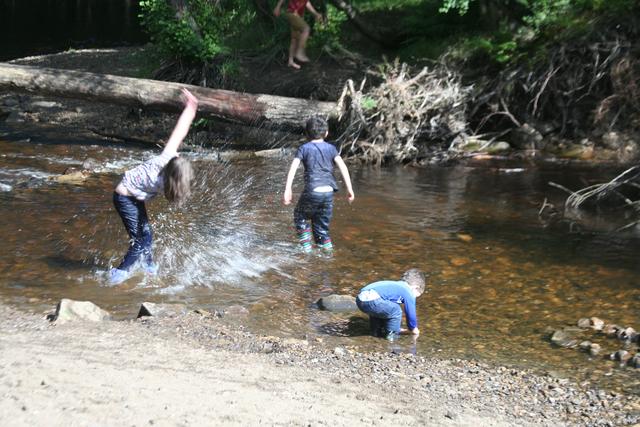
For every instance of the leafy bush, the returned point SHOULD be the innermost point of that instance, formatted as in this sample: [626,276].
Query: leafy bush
[328,33]
[199,31]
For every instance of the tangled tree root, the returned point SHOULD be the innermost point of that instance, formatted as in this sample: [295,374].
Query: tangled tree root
[582,86]
[386,121]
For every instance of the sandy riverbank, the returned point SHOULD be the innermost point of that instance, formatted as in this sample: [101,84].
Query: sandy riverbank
[198,369]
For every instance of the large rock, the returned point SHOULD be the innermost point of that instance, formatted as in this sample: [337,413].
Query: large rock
[72,176]
[612,140]
[567,337]
[498,147]
[527,137]
[338,303]
[161,310]
[73,311]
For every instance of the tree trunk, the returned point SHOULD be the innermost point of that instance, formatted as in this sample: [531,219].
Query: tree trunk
[252,109]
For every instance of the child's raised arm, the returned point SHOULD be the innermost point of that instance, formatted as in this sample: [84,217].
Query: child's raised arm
[345,177]
[292,173]
[184,122]
[276,10]
[314,12]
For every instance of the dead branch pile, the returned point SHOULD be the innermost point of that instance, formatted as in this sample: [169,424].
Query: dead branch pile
[585,85]
[387,121]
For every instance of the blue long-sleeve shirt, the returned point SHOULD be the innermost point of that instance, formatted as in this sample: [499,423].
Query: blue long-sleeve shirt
[400,293]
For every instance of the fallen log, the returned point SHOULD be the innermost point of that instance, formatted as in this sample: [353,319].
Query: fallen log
[252,109]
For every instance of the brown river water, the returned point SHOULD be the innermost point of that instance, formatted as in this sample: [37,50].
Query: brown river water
[498,278]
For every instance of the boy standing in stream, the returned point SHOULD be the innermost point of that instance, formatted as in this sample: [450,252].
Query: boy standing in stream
[316,200]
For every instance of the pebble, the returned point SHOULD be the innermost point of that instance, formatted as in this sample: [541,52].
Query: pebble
[595,349]
[584,323]
[597,323]
[610,330]
[621,355]
[585,345]
[626,334]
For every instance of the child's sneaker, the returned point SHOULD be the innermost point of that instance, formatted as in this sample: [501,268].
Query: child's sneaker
[117,276]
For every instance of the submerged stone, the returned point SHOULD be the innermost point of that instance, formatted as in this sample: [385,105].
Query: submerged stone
[621,355]
[596,323]
[627,334]
[595,349]
[72,177]
[584,323]
[338,303]
[566,338]
[72,311]
[585,345]
[610,330]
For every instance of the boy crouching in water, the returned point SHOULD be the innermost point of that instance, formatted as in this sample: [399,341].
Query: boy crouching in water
[316,201]
[381,301]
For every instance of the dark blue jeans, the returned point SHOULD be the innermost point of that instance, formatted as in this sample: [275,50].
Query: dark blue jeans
[135,220]
[317,207]
[384,316]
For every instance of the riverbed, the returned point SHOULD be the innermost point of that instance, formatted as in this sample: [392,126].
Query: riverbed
[498,278]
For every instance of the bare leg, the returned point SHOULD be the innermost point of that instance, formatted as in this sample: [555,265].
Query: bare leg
[301,54]
[293,48]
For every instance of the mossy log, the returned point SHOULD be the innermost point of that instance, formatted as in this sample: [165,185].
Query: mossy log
[252,109]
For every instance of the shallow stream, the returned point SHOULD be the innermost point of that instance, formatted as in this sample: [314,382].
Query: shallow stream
[498,278]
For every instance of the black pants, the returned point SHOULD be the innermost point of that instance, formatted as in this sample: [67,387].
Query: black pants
[134,217]
[317,208]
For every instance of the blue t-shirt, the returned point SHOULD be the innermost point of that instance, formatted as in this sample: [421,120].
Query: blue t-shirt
[398,292]
[317,158]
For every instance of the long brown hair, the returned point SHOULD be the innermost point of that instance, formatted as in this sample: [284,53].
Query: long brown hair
[177,175]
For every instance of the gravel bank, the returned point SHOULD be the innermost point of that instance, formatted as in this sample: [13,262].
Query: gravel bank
[200,368]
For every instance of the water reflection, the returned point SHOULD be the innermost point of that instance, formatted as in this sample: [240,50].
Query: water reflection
[498,279]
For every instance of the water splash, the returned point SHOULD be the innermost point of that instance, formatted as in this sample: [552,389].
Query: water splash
[214,239]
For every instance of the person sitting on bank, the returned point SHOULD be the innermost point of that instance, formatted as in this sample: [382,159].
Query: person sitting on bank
[381,301]
[300,30]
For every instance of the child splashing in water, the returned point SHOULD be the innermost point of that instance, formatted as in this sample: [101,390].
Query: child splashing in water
[166,172]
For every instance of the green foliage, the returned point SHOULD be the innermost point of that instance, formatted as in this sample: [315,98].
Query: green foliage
[328,33]
[368,103]
[462,6]
[538,22]
[203,30]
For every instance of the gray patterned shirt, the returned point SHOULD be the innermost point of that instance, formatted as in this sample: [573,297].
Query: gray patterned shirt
[145,181]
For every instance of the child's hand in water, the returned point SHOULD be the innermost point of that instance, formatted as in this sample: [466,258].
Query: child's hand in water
[189,100]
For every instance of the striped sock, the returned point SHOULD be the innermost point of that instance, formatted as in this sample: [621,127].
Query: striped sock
[326,246]
[304,237]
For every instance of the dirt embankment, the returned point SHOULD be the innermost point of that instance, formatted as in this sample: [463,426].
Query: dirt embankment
[197,369]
